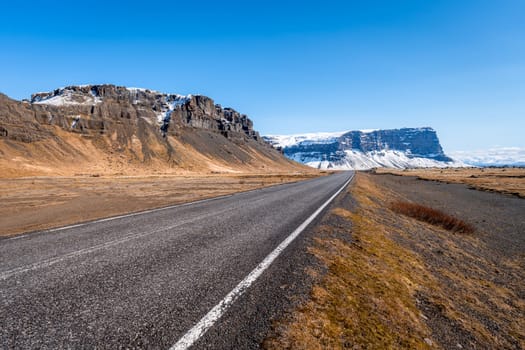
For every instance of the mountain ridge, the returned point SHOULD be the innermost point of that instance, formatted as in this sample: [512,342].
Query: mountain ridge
[114,129]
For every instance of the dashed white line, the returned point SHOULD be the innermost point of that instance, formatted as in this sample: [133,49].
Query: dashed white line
[218,310]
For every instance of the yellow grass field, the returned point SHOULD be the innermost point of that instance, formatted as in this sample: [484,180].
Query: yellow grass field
[35,203]
[504,180]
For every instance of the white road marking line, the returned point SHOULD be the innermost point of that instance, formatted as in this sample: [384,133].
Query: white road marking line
[218,310]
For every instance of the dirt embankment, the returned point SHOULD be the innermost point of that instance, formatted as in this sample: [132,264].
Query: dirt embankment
[35,203]
[393,281]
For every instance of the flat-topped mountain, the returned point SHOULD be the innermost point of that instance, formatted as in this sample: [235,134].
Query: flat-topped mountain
[114,129]
[365,149]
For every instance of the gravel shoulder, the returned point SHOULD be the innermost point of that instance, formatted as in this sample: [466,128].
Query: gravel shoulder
[499,218]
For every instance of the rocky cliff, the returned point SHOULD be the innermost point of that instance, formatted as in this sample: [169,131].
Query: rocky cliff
[398,148]
[107,128]
[86,108]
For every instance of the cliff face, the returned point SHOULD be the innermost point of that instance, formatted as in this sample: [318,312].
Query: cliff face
[91,107]
[110,128]
[399,148]
[418,142]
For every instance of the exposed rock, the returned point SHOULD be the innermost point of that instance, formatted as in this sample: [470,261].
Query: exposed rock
[98,103]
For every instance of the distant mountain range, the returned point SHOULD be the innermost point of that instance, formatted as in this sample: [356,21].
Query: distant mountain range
[108,129]
[366,149]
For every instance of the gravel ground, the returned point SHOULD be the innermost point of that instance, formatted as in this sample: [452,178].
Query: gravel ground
[484,271]
[499,219]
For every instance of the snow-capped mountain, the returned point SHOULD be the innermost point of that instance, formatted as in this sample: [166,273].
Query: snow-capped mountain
[365,149]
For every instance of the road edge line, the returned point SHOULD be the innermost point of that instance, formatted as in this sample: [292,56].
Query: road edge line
[205,323]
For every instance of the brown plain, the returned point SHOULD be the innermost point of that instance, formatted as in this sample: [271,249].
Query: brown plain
[504,180]
[36,203]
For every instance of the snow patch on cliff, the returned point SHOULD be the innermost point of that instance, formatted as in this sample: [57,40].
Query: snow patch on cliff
[66,97]
[356,160]
[169,104]
[292,140]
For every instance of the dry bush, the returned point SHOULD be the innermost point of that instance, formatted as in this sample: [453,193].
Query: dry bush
[432,216]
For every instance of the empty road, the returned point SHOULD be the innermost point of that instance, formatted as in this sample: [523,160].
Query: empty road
[168,278]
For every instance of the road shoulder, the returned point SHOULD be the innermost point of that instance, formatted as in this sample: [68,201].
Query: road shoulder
[390,281]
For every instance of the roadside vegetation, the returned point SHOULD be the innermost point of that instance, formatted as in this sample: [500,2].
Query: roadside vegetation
[394,282]
[431,216]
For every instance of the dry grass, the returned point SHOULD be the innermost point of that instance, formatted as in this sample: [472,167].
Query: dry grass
[431,216]
[58,200]
[504,180]
[366,299]
[401,284]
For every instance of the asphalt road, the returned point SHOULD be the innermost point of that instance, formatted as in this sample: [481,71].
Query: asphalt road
[145,280]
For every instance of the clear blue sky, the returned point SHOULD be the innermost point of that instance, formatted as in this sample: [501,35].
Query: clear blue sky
[292,66]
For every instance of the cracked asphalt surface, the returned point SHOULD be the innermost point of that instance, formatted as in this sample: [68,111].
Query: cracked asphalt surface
[143,281]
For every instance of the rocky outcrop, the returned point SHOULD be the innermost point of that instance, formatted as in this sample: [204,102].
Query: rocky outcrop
[96,105]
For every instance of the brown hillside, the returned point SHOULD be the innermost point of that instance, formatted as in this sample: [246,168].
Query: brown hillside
[108,130]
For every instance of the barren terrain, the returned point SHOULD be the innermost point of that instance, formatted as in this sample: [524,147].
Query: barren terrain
[504,180]
[395,282]
[121,135]
[35,203]
[193,152]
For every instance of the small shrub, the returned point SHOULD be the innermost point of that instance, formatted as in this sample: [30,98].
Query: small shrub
[432,216]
